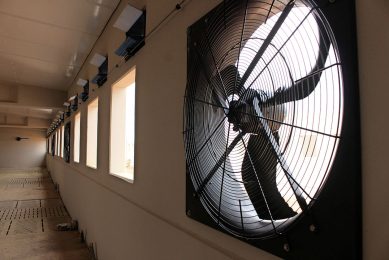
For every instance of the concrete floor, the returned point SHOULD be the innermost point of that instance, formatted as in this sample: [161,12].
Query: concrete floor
[30,210]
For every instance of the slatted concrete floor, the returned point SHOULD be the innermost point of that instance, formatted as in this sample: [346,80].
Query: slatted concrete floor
[30,210]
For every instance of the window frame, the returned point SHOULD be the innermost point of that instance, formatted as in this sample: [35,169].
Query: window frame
[127,80]
[90,106]
[62,131]
[77,137]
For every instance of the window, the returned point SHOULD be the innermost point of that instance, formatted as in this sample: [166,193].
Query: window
[52,150]
[122,138]
[91,141]
[76,140]
[49,144]
[56,142]
[62,140]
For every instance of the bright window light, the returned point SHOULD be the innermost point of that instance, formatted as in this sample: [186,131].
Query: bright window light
[62,140]
[51,144]
[76,140]
[91,142]
[56,143]
[122,141]
[50,138]
[59,142]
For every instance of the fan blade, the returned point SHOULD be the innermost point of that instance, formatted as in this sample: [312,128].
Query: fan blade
[276,151]
[267,41]
[259,177]
[229,81]
[219,163]
[304,87]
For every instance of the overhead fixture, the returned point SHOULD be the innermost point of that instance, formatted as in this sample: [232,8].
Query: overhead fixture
[101,62]
[97,60]
[74,104]
[133,22]
[69,71]
[72,98]
[81,82]
[127,18]
[68,111]
[85,85]
[62,116]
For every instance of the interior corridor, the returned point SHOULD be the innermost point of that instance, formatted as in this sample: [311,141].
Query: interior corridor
[30,209]
[190,130]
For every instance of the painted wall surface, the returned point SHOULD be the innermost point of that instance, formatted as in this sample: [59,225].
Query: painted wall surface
[22,154]
[146,219]
[373,43]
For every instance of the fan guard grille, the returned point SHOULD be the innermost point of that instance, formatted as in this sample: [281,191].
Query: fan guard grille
[67,142]
[222,47]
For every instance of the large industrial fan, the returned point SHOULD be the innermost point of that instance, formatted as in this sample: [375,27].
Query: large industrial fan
[271,126]
[53,147]
[66,146]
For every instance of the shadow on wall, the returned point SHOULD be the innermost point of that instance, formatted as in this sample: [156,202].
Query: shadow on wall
[23,153]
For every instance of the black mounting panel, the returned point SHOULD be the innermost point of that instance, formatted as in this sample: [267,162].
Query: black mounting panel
[135,38]
[102,75]
[74,105]
[67,142]
[85,92]
[53,144]
[336,215]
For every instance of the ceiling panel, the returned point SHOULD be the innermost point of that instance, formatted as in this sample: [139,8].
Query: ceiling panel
[38,33]
[29,112]
[41,52]
[44,42]
[27,71]
[79,15]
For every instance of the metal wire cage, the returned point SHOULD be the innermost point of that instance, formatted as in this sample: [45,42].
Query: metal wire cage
[66,146]
[265,118]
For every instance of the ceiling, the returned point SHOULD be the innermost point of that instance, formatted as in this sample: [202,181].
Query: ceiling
[44,43]
[43,113]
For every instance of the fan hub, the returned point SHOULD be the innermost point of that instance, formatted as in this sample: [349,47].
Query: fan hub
[239,114]
[243,116]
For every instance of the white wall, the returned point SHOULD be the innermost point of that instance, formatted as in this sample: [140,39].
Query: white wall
[146,220]
[24,154]
[373,42]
